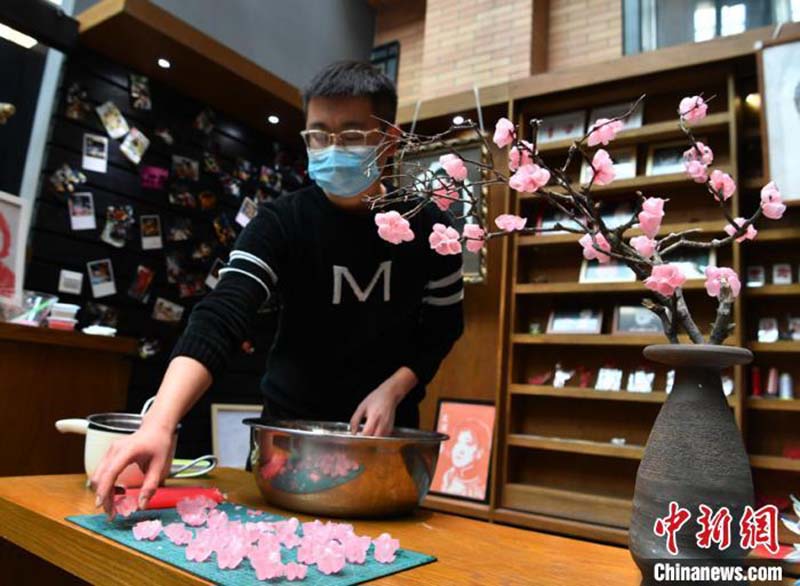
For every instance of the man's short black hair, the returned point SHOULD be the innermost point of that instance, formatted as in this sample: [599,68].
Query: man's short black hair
[354,79]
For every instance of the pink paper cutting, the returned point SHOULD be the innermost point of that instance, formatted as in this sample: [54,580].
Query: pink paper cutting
[148,530]
[385,548]
[178,534]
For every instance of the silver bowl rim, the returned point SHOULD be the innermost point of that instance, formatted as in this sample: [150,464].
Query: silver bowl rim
[116,422]
[408,435]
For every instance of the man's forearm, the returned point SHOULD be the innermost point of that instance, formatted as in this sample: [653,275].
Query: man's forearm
[404,380]
[184,383]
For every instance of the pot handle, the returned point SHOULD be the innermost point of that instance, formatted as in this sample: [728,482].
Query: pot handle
[72,426]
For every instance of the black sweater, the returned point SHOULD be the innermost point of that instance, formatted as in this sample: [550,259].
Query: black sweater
[354,308]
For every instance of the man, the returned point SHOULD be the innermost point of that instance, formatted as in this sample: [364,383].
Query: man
[364,324]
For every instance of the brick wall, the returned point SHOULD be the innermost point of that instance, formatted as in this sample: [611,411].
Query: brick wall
[447,45]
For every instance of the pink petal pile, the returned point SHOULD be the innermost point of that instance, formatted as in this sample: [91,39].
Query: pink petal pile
[445,240]
[125,506]
[393,227]
[328,546]
[454,166]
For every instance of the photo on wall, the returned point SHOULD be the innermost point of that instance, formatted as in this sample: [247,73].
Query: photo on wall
[81,211]
[464,464]
[95,153]
[13,235]
[101,277]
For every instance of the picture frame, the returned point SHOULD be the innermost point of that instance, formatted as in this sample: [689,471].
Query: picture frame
[782,274]
[423,165]
[768,330]
[230,440]
[634,120]
[564,126]
[463,470]
[581,321]
[780,80]
[14,220]
[666,158]
[608,379]
[547,217]
[693,262]
[610,272]
[640,381]
[635,320]
[624,159]
[756,276]
[793,328]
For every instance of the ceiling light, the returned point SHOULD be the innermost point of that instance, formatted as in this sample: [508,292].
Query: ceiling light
[164,64]
[10,34]
[753,100]
[458,120]
[272,119]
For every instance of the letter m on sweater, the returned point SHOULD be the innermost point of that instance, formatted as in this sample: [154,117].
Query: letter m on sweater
[384,270]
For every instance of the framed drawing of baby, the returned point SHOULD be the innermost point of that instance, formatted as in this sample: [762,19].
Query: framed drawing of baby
[462,470]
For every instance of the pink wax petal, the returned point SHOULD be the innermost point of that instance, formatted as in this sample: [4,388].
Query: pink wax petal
[198,549]
[217,519]
[341,531]
[331,559]
[229,558]
[194,518]
[254,513]
[355,548]
[124,506]
[178,534]
[294,571]
[385,548]
[148,530]
[266,561]
[307,552]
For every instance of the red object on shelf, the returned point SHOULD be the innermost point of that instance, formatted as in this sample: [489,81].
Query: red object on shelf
[58,324]
[167,497]
[792,452]
[755,382]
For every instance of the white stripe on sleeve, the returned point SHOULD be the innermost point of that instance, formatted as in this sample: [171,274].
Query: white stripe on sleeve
[443,301]
[252,276]
[444,281]
[241,254]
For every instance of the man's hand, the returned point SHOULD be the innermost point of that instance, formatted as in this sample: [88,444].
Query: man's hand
[379,406]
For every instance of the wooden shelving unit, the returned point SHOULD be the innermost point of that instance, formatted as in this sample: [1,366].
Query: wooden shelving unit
[760,404]
[583,288]
[711,227]
[773,291]
[775,347]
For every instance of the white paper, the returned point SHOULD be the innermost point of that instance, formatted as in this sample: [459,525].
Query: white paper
[101,276]
[70,282]
[112,119]
[95,153]
[81,211]
[150,229]
[213,275]
[247,211]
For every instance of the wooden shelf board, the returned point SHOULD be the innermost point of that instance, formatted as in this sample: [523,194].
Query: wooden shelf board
[552,524]
[456,506]
[589,339]
[578,288]
[568,504]
[74,339]
[575,446]
[772,290]
[777,234]
[762,404]
[202,67]
[714,227]
[774,463]
[584,393]
[649,132]
[781,346]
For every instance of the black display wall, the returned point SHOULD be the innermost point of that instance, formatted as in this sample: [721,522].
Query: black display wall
[55,246]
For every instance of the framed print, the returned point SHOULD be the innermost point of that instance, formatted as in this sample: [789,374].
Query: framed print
[768,330]
[230,439]
[781,91]
[70,282]
[13,235]
[640,381]
[624,165]
[666,158]
[582,321]
[423,167]
[570,125]
[793,328]
[613,271]
[782,274]
[608,379]
[756,276]
[465,458]
[614,110]
[635,319]
[693,262]
[150,230]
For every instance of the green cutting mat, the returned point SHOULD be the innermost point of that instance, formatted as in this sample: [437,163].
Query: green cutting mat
[164,550]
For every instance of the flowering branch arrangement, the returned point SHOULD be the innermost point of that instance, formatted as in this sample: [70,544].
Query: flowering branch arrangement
[529,173]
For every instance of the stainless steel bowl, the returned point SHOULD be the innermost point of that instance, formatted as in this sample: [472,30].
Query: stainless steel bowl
[322,469]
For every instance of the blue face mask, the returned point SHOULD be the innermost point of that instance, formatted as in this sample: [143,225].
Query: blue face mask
[343,171]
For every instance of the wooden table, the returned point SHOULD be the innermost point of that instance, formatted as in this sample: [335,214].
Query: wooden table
[32,511]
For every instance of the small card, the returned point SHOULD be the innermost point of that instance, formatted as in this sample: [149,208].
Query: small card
[153,177]
[101,276]
[180,230]
[70,282]
[95,153]
[247,211]
[115,124]
[81,211]
[150,229]
[167,311]
[213,275]
[140,92]
[185,168]
[191,286]
[140,288]
[119,220]
[134,146]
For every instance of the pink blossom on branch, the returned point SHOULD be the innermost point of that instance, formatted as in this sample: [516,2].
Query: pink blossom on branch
[393,227]
[589,250]
[771,201]
[475,237]
[750,233]
[604,131]
[644,245]
[693,108]
[510,222]
[445,240]
[651,215]
[723,184]
[696,170]
[718,277]
[445,195]
[520,155]
[664,279]
[705,156]
[503,133]
[529,178]
[454,166]
[603,168]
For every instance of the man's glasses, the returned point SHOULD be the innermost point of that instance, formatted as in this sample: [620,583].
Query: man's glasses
[320,139]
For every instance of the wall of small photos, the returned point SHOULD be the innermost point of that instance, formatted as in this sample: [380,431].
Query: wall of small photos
[143,193]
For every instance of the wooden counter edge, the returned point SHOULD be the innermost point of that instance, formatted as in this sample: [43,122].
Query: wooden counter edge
[34,335]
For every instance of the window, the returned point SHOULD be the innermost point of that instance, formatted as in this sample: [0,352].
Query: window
[653,24]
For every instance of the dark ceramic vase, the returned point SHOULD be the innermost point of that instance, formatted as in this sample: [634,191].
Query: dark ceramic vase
[695,455]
